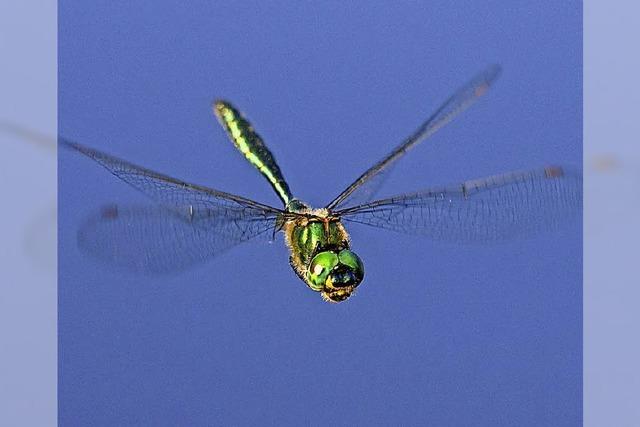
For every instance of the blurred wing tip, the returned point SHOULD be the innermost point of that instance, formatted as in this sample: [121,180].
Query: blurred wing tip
[109,212]
[560,172]
[553,172]
[488,77]
[493,71]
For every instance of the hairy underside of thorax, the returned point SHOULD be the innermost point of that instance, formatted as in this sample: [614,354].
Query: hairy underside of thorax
[306,235]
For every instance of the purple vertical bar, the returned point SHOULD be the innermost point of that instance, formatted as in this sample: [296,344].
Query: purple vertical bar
[28,297]
[612,209]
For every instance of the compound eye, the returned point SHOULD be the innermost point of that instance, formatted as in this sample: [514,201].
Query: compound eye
[319,269]
[354,263]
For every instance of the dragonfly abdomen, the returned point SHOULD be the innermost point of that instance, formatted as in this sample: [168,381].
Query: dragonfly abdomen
[250,144]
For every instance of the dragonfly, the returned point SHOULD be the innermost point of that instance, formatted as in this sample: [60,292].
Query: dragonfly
[192,223]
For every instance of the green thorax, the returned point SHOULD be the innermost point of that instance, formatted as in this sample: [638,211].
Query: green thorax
[310,233]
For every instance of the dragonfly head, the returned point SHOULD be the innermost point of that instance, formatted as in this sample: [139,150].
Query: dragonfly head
[335,274]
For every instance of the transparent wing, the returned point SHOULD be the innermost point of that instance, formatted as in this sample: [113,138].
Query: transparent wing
[192,223]
[158,240]
[167,190]
[367,191]
[494,208]
[457,103]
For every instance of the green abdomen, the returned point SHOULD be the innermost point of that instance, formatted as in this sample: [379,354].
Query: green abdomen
[252,147]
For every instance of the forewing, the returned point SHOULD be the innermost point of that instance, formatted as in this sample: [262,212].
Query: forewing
[493,208]
[368,190]
[160,240]
[457,103]
[167,190]
[192,223]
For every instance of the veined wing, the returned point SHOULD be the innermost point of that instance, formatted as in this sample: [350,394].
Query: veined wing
[493,208]
[160,240]
[457,103]
[367,191]
[167,190]
[193,222]
[171,191]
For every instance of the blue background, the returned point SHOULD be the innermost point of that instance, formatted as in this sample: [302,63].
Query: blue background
[438,334]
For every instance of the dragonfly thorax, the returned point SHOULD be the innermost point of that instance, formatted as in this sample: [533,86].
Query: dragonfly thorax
[320,251]
[297,206]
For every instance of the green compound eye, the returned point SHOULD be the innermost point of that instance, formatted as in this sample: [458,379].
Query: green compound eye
[321,266]
[352,260]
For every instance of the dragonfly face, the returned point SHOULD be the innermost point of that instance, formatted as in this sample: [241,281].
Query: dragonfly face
[335,274]
[192,222]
